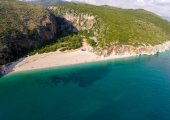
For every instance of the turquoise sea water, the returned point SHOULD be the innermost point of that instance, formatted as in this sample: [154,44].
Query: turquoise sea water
[129,89]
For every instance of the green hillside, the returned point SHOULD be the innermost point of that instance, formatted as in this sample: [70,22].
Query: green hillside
[15,14]
[19,24]
[123,26]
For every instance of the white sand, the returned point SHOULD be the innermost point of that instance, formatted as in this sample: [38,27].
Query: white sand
[56,59]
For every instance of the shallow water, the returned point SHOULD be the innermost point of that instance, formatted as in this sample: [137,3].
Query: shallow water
[135,88]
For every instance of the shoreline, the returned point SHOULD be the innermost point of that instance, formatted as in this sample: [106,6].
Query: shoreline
[28,63]
[53,67]
[79,56]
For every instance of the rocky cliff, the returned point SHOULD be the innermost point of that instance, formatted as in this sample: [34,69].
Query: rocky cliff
[131,50]
[131,34]
[88,25]
[23,27]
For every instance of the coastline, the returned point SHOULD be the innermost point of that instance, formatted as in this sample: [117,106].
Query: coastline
[79,56]
[55,59]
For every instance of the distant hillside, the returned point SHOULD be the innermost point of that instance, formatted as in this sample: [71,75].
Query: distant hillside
[167,18]
[118,26]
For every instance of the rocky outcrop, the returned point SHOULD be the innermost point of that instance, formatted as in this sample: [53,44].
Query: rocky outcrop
[48,27]
[82,21]
[2,72]
[131,50]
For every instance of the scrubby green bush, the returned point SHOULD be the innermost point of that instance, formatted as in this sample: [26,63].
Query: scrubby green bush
[91,42]
[63,44]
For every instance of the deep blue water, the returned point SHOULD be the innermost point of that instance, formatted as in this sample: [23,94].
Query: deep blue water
[129,89]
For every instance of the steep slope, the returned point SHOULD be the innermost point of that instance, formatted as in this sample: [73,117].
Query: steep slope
[166,17]
[116,26]
[23,27]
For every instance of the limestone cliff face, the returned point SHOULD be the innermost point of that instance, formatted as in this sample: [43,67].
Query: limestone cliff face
[48,27]
[131,50]
[81,21]
[90,23]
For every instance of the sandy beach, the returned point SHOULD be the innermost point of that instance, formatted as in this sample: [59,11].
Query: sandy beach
[56,59]
[79,56]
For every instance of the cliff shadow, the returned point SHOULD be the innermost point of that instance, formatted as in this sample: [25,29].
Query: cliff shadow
[50,33]
[65,27]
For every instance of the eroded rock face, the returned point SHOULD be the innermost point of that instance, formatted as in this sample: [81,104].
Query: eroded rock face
[48,28]
[81,21]
[131,50]
[92,24]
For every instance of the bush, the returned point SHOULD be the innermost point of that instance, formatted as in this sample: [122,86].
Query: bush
[65,43]
[91,42]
